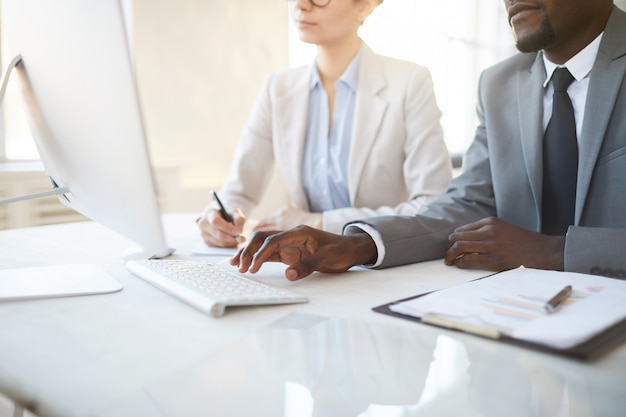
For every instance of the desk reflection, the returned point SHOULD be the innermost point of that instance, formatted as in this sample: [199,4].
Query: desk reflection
[311,366]
[346,366]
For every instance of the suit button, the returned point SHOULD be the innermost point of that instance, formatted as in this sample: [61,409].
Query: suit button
[596,270]
[608,272]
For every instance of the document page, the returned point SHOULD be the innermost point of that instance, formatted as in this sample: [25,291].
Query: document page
[512,303]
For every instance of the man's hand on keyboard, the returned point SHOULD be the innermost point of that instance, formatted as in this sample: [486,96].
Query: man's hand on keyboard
[305,250]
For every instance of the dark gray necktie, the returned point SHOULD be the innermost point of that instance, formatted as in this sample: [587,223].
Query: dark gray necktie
[560,160]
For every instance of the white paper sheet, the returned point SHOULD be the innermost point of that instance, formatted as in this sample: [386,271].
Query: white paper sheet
[512,302]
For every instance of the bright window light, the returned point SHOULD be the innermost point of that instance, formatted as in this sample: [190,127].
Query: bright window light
[454,39]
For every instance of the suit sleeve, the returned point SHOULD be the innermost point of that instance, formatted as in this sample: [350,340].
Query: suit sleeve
[596,250]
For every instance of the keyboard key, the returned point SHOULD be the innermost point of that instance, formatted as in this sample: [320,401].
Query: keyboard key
[208,287]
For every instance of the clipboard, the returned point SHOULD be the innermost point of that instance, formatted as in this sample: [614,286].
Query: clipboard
[587,350]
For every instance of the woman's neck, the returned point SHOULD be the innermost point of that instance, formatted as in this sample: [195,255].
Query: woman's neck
[333,60]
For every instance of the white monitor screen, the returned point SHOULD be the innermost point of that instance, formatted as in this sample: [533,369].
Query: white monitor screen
[77,82]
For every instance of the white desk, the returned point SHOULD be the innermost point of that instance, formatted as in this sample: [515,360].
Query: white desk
[140,352]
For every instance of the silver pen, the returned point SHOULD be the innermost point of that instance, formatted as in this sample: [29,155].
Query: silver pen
[552,304]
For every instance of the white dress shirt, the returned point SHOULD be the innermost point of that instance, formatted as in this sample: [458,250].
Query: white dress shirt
[579,66]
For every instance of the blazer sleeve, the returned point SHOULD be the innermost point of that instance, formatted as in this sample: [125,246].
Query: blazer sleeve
[425,161]
[253,161]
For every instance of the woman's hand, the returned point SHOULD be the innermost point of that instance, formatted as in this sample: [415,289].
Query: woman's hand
[288,218]
[216,231]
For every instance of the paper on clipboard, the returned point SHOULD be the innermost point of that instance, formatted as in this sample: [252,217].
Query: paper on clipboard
[511,303]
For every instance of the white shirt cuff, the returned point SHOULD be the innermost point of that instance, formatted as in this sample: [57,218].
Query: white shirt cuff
[376,237]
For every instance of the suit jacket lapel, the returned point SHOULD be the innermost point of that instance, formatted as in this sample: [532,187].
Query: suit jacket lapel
[368,115]
[530,92]
[291,115]
[606,77]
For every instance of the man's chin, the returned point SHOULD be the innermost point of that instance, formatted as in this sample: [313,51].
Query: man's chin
[537,40]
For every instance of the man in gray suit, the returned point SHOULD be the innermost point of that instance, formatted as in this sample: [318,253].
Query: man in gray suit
[493,216]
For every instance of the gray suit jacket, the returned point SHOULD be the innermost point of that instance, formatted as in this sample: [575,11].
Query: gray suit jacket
[503,166]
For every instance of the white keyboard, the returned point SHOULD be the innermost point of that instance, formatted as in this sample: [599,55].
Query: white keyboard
[208,287]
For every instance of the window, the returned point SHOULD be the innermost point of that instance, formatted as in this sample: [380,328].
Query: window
[16,142]
[454,39]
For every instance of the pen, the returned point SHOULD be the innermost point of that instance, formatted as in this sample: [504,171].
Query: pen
[225,215]
[555,301]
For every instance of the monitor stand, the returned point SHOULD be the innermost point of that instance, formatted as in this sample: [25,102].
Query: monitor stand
[50,281]
[137,252]
[56,191]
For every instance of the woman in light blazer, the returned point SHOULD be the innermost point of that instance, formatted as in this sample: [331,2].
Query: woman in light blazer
[354,134]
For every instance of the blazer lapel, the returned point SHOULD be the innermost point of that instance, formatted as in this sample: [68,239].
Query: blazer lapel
[291,117]
[606,77]
[368,115]
[530,93]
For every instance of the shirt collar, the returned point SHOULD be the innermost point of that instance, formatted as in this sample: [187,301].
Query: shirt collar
[350,76]
[579,65]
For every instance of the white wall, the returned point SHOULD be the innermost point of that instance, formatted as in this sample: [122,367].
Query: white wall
[200,65]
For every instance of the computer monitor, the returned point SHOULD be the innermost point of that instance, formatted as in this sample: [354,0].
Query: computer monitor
[78,86]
